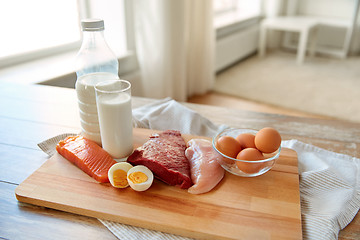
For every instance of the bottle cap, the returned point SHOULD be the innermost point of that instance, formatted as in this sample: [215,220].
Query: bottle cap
[92,24]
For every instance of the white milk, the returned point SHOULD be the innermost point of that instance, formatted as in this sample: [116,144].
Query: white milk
[85,89]
[85,86]
[115,117]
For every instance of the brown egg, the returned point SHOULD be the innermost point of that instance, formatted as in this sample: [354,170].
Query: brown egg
[267,140]
[250,154]
[228,146]
[246,140]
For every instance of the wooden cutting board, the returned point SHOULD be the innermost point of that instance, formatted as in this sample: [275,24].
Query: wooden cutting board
[264,207]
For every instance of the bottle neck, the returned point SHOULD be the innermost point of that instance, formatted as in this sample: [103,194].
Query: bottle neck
[93,36]
[95,55]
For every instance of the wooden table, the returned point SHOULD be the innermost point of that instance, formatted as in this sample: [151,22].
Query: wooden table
[30,114]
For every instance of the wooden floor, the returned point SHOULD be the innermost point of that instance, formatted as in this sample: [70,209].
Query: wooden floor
[217,99]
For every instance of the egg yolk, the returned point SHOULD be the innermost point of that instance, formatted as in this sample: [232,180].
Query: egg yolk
[138,177]
[120,178]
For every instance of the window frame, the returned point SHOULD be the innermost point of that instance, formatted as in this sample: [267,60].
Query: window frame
[41,53]
[127,59]
[38,54]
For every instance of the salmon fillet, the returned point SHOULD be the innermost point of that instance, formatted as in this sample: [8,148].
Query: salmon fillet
[86,155]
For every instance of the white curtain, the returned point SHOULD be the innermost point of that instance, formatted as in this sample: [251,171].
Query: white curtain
[175,45]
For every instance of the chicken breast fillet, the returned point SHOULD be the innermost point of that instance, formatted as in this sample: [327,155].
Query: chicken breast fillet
[205,170]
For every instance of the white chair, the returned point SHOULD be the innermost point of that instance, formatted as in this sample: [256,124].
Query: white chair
[307,26]
[339,23]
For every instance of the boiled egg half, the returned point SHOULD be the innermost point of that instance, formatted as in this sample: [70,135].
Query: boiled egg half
[140,178]
[118,174]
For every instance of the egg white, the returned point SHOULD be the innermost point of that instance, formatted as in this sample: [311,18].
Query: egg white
[144,185]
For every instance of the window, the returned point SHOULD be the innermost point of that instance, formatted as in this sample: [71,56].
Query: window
[227,12]
[37,28]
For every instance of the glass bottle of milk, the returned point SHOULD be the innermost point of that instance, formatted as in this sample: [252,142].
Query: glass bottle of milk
[95,62]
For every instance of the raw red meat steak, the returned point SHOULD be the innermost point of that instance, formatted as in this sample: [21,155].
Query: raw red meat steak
[164,155]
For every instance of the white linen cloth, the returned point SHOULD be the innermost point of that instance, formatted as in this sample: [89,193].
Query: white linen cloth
[329,181]
[167,114]
[329,189]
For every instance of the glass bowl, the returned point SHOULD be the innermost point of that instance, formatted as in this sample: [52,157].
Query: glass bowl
[244,168]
